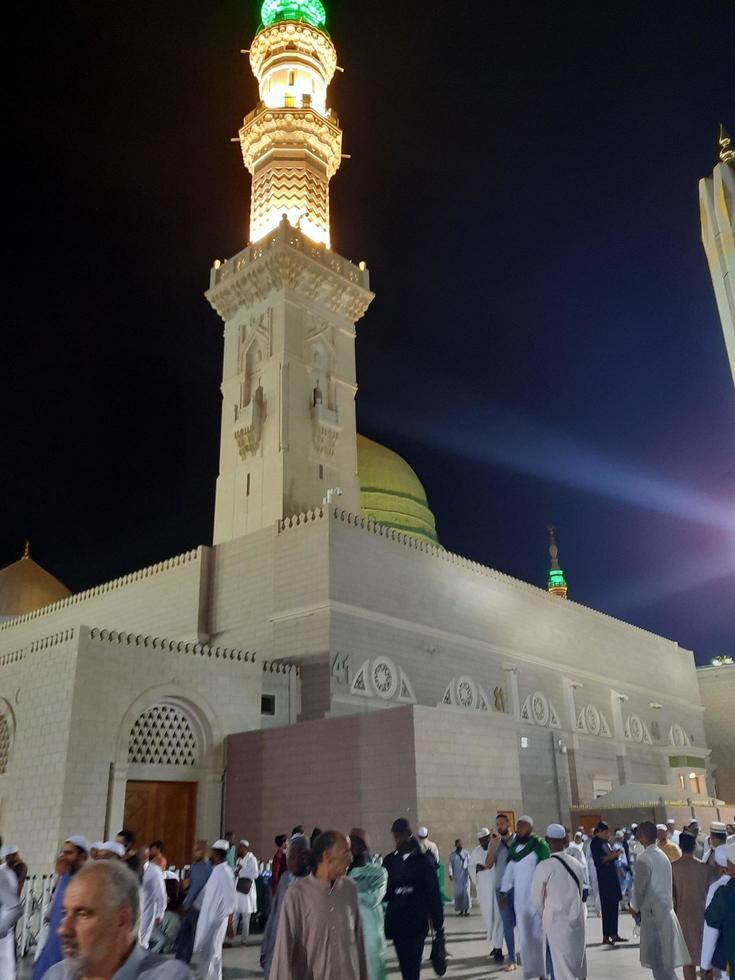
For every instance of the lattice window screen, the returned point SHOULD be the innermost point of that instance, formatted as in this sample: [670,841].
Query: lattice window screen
[163,735]
[4,744]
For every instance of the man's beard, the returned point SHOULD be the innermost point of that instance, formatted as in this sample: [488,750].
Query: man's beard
[77,966]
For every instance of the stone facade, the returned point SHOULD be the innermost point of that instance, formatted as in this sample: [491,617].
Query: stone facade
[717,691]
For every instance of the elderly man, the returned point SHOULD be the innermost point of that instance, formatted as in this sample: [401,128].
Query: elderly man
[717,837]
[663,948]
[215,916]
[298,857]
[526,851]
[319,929]
[100,927]
[246,901]
[10,911]
[671,850]
[557,893]
[193,887]
[108,850]
[69,862]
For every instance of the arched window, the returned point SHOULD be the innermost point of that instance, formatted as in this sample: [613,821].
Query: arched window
[163,735]
[7,731]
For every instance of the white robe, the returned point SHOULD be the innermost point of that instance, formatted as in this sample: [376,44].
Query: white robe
[153,901]
[485,885]
[218,904]
[710,935]
[663,946]
[518,876]
[247,867]
[558,900]
[11,908]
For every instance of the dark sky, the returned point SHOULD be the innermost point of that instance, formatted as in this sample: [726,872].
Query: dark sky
[544,344]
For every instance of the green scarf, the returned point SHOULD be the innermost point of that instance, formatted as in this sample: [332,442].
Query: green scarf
[517,851]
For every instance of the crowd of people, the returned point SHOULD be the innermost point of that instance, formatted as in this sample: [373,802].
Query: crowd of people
[328,904]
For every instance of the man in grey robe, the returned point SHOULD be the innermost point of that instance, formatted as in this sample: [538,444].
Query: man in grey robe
[459,875]
[663,947]
[319,931]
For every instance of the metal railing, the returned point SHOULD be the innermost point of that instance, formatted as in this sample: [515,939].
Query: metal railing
[35,897]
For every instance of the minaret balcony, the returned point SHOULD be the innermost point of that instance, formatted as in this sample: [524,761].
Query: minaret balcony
[248,426]
[326,428]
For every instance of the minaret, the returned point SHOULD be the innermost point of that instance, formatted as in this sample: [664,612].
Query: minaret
[717,211]
[556,584]
[289,303]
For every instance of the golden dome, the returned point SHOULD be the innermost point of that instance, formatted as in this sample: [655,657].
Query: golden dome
[25,586]
[391,493]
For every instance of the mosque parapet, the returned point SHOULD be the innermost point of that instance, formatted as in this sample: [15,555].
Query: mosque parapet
[287,258]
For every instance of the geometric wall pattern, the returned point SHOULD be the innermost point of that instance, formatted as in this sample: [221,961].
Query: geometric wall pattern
[162,735]
[540,710]
[381,678]
[4,744]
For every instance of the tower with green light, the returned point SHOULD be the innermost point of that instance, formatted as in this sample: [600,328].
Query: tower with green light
[556,584]
[291,142]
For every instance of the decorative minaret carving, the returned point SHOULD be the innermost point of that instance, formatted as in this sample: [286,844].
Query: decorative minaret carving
[291,142]
[289,303]
[556,584]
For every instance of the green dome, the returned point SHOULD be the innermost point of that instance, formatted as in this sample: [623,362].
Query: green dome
[311,12]
[391,493]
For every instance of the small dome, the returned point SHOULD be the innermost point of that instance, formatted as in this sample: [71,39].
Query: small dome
[391,493]
[25,586]
[311,12]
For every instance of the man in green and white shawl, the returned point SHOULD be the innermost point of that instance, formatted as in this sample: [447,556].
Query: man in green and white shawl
[525,852]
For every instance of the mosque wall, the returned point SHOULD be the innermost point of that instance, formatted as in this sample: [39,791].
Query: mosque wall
[167,599]
[36,690]
[717,688]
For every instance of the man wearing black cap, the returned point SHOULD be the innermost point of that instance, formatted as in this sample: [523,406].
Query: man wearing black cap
[413,900]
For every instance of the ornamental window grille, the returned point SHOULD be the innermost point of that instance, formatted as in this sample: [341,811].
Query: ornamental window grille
[163,735]
[4,744]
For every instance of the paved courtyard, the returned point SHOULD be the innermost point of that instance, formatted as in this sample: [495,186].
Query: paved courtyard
[466,943]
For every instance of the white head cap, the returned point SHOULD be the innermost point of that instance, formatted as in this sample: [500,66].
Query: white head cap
[113,847]
[245,843]
[221,845]
[633,826]
[717,828]
[730,850]
[721,856]
[423,832]
[619,834]
[8,850]
[528,820]
[671,821]
[578,833]
[78,841]
[661,826]
[483,832]
[555,831]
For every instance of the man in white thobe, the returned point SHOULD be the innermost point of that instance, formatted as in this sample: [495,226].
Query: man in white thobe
[710,935]
[556,893]
[215,916]
[10,911]
[484,881]
[663,947]
[246,900]
[153,901]
[526,851]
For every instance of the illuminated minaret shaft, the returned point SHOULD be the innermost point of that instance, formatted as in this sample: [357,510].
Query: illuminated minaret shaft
[291,143]
[556,584]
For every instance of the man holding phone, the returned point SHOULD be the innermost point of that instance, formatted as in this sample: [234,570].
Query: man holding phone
[497,858]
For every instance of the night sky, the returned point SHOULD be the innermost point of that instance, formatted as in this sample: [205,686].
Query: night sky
[544,344]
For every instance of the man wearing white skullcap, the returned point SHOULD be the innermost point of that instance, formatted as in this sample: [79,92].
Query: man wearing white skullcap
[557,891]
[526,851]
[428,846]
[246,901]
[671,850]
[719,914]
[717,836]
[110,850]
[710,934]
[215,917]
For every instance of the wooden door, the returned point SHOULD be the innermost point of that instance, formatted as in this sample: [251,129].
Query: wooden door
[159,810]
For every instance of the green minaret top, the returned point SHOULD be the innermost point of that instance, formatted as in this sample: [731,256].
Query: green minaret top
[311,12]
[555,581]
